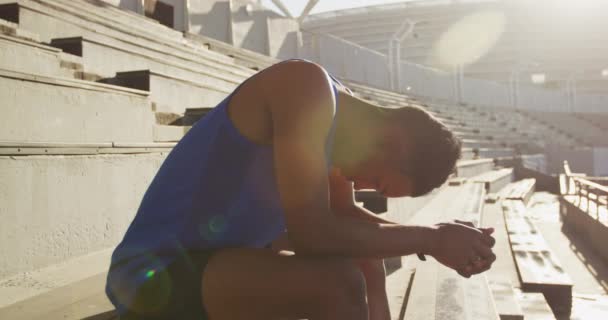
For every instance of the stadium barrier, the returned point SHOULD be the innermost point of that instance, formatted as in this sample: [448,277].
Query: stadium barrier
[584,208]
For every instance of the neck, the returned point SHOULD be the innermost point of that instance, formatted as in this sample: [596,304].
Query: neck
[357,132]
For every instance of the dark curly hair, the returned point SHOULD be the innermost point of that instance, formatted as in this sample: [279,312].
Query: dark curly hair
[432,148]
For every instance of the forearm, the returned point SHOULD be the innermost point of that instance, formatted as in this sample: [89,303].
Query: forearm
[360,213]
[357,238]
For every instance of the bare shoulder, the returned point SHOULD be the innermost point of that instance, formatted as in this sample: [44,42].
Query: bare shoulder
[284,94]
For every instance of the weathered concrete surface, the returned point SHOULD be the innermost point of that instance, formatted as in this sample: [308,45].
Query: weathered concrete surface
[79,298]
[535,306]
[588,271]
[438,292]
[502,277]
[61,21]
[495,180]
[593,231]
[58,207]
[471,168]
[30,57]
[105,57]
[47,281]
[38,108]
[172,94]
[539,268]
[212,19]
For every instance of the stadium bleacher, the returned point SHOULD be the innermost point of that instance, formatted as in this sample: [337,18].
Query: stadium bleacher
[85,82]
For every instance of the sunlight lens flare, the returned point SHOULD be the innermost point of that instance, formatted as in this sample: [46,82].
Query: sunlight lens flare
[469,39]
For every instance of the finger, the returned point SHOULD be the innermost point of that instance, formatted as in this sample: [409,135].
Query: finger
[488,240]
[481,267]
[465,273]
[485,253]
[466,223]
[487,231]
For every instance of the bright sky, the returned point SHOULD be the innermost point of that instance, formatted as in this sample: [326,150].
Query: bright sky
[296,6]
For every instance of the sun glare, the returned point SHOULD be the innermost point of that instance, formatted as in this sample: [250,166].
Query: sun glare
[470,38]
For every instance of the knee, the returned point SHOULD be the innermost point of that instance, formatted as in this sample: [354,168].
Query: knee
[345,288]
[374,272]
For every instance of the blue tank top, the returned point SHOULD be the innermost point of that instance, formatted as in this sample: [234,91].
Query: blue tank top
[215,189]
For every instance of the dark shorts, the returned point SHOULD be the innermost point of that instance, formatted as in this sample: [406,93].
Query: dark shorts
[172,293]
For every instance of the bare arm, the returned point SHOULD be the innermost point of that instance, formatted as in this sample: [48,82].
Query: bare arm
[302,113]
[342,199]
[299,98]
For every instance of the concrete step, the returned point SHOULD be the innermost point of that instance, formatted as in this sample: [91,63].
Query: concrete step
[539,269]
[104,10]
[41,108]
[438,292]
[469,143]
[95,56]
[9,26]
[132,23]
[21,148]
[521,190]
[534,306]
[243,57]
[471,168]
[502,277]
[66,22]
[467,154]
[27,56]
[495,180]
[73,289]
[165,133]
[495,152]
[171,93]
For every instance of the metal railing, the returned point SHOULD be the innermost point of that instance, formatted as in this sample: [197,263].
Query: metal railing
[589,196]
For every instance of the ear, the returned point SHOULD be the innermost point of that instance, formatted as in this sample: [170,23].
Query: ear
[394,143]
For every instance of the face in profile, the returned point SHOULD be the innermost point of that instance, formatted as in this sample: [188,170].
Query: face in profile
[380,175]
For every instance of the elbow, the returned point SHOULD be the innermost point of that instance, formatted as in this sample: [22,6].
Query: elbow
[313,240]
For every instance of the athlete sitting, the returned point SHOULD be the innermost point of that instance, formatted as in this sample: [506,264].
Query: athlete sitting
[277,161]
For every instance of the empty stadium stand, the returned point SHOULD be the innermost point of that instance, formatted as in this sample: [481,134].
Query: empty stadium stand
[585,132]
[95,97]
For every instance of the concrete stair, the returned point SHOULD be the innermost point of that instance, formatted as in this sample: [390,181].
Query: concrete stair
[437,292]
[470,143]
[539,269]
[471,168]
[80,112]
[28,56]
[68,22]
[105,59]
[495,180]
[242,57]
[171,93]
[134,24]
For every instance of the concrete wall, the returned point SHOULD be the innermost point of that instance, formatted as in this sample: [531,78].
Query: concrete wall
[179,9]
[211,18]
[58,207]
[249,26]
[132,5]
[55,112]
[594,233]
[282,37]
[179,13]
[600,162]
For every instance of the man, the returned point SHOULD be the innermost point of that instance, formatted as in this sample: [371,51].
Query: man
[279,159]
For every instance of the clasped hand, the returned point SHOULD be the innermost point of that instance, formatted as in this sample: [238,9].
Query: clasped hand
[464,248]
